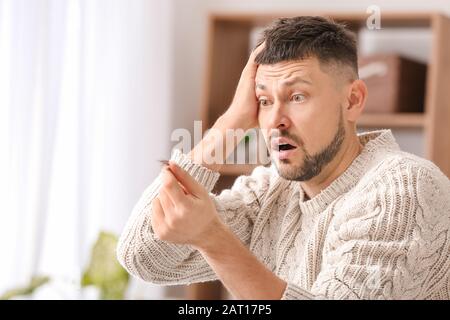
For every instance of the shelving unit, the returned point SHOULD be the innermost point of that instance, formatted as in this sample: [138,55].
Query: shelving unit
[228,50]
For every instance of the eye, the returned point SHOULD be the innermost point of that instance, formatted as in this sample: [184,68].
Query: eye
[298,97]
[263,102]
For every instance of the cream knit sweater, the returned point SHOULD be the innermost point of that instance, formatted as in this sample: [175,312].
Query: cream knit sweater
[379,231]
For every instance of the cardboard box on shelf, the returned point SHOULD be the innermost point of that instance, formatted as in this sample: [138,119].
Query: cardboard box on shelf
[395,83]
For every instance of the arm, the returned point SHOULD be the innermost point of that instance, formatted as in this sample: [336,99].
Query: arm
[240,271]
[145,256]
[241,115]
[183,213]
[150,258]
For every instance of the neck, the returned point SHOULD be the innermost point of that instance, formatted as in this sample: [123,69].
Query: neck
[349,151]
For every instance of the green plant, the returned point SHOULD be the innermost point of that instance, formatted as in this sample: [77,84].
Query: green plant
[35,282]
[104,271]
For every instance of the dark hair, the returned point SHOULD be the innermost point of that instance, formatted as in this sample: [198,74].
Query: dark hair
[306,36]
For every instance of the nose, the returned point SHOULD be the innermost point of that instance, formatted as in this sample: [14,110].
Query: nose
[277,117]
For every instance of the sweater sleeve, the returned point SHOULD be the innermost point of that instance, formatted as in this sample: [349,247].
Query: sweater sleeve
[159,262]
[393,244]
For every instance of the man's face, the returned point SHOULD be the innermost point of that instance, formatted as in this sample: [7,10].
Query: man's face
[300,112]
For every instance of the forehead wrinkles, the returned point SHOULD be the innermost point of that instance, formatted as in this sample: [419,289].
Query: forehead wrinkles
[283,71]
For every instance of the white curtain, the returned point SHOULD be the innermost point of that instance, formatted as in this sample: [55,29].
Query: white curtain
[84,114]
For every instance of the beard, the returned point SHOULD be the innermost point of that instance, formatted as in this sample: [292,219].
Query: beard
[312,165]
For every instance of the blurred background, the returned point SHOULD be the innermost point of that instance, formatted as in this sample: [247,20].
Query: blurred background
[90,91]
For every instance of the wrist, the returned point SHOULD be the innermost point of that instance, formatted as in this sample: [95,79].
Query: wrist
[232,119]
[216,145]
[214,237]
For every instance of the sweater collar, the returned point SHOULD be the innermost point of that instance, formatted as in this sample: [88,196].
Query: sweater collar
[373,142]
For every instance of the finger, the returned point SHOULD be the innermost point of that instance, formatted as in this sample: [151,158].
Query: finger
[166,202]
[254,53]
[251,65]
[158,218]
[188,182]
[258,49]
[173,188]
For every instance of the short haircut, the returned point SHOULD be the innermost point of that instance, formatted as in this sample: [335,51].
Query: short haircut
[297,38]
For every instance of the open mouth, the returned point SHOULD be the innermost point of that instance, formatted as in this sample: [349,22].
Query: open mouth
[285,146]
[282,148]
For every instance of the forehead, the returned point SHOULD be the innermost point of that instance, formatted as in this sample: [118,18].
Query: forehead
[307,69]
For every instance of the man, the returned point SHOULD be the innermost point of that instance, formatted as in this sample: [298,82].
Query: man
[338,215]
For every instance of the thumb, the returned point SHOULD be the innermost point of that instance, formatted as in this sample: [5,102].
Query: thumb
[187,181]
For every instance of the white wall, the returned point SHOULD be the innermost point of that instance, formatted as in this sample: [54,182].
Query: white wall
[189,42]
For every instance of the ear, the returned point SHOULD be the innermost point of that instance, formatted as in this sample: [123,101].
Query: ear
[356,99]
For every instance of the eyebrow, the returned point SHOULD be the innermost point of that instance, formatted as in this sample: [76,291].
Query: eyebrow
[287,83]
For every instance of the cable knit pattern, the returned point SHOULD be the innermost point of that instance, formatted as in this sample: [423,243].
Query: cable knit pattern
[379,231]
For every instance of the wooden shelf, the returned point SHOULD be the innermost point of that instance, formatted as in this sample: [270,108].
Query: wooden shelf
[398,120]
[390,19]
